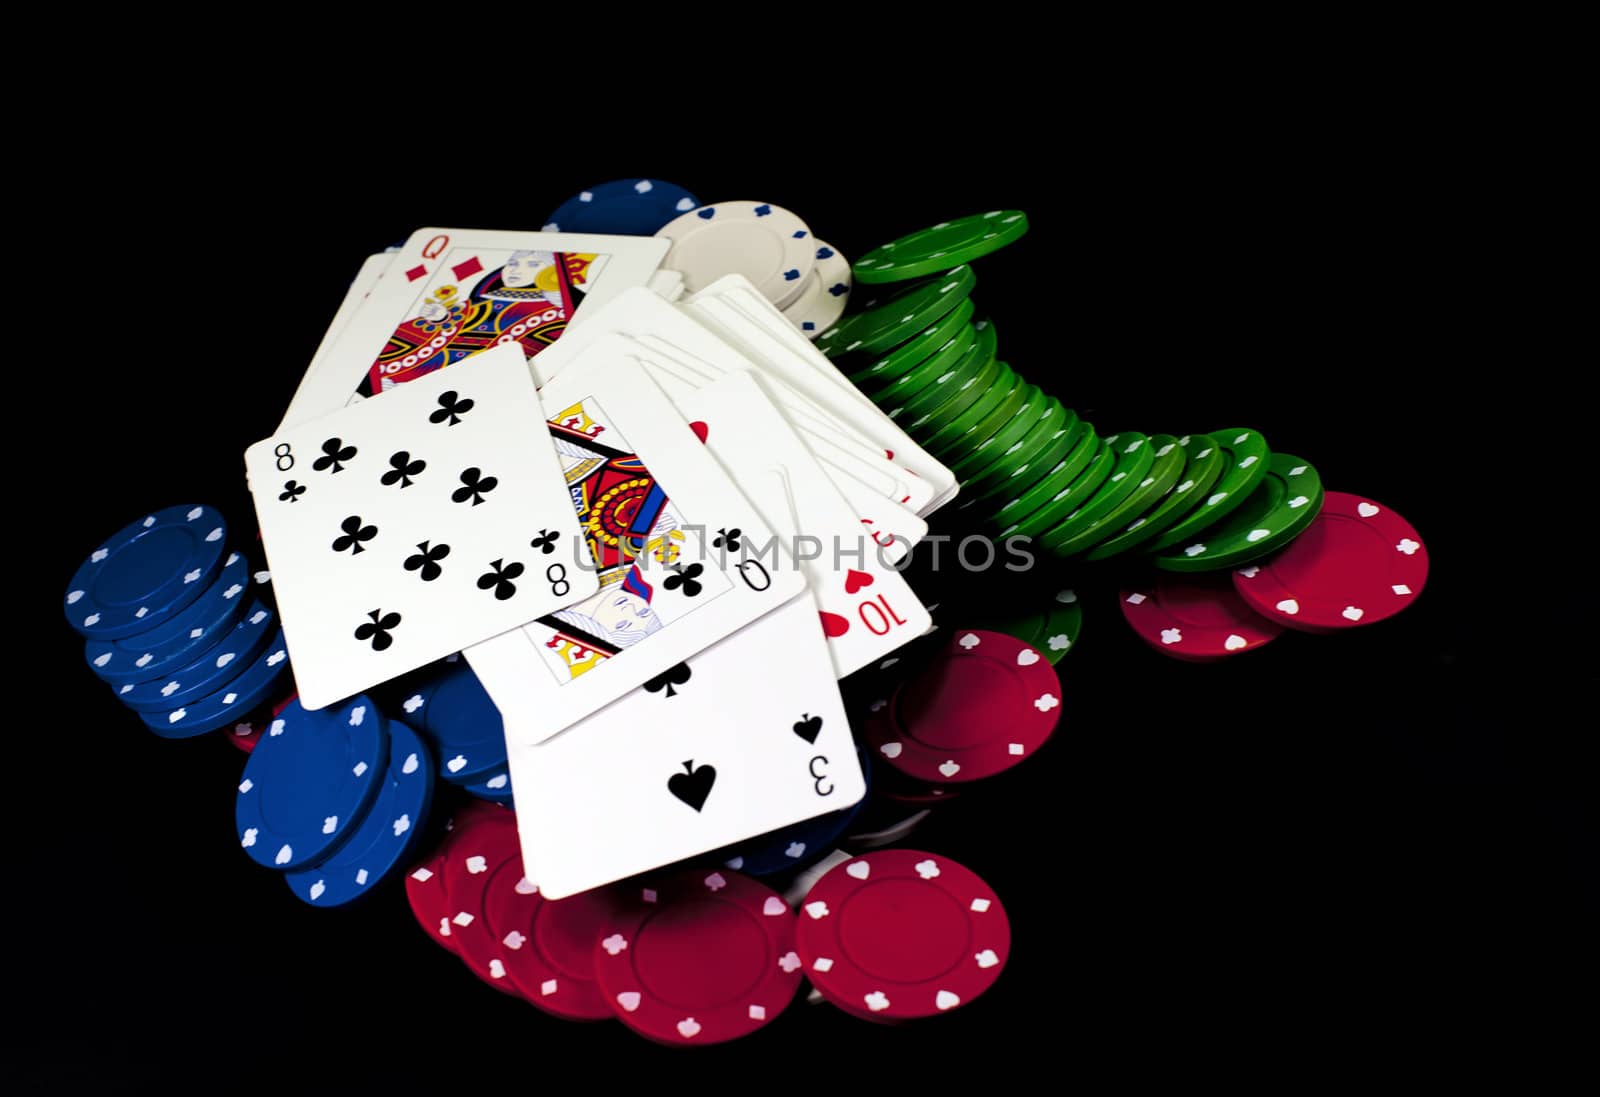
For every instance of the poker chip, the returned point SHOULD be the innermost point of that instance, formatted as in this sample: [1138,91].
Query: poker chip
[1357,563]
[1069,499]
[954,383]
[1063,626]
[980,705]
[699,958]
[1133,455]
[1166,465]
[973,378]
[914,350]
[1283,504]
[547,946]
[212,670]
[797,846]
[941,247]
[993,409]
[1077,450]
[429,901]
[884,324]
[244,694]
[827,293]
[309,782]
[1197,618]
[1245,456]
[1203,461]
[247,732]
[1032,456]
[898,934]
[454,711]
[1034,415]
[177,640]
[146,572]
[622,207]
[941,363]
[480,848]
[384,837]
[765,243]
[496,787]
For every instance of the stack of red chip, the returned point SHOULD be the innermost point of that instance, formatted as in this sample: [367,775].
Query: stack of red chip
[694,958]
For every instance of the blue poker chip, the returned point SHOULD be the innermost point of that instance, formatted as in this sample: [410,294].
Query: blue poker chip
[310,781]
[496,787]
[385,837]
[235,701]
[213,669]
[146,573]
[455,712]
[622,207]
[148,655]
[798,846]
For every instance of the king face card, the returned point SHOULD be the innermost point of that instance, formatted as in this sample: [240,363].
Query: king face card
[681,557]
[401,530]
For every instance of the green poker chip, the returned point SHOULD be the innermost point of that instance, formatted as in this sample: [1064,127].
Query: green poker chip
[914,351]
[1063,626]
[1203,461]
[1041,465]
[937,391]
[1004,467]
[1245,459]
[889,323]
[1036,405]
[992,411]
[972,377]
[941,247]
[1084,442]
[1283,504]
[892,397]
[1068,499]
[1134,456]
[1162,475]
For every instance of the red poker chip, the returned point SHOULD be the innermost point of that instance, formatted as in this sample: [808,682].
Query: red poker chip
[699,958]
[429,903]
[1196,617]
[900,789]
[246,732]
[481,847]
[898,934]
[981,704]
[1356,564]
[548,945]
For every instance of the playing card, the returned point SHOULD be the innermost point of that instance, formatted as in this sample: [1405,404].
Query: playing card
[454,292]
[725,307]
[698,357]
[360,287]
[401,530]
[682,557]
[893,529]
[867,610]
[750,737]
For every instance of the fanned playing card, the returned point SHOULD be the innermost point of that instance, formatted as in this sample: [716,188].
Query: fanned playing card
[401,530]
[682,558]
[754,738]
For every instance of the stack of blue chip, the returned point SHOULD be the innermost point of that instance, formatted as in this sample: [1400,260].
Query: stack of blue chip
[455,714]
[171,624]
[334,799]
[622,207]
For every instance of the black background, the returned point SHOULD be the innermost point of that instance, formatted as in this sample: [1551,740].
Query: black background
[1336,840]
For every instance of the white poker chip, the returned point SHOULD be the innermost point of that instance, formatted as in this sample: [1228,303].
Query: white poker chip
[827,292]
[765,243]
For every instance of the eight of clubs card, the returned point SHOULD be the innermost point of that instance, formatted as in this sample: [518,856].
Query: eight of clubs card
[401,530]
